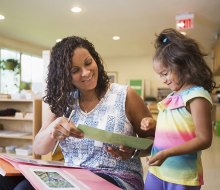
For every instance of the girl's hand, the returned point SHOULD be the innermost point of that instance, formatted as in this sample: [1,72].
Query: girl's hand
[122,152]
[157,159]
[61,128]
[148,123]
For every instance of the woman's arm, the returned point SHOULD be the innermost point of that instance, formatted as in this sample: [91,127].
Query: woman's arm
[136,110]
[52,130]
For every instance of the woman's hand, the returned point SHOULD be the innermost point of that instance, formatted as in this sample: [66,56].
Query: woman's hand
[61,128]
[148,123]
[122,152]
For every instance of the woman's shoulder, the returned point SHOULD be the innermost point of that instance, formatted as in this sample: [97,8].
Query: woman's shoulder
[118,87]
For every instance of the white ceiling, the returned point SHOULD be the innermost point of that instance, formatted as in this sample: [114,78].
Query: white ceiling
[41,22]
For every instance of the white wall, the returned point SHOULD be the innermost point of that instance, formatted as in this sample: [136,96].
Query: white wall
[134,68]
[20,46]
[217,60]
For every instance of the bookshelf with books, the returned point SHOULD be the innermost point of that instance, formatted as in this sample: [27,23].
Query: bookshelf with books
[18,131]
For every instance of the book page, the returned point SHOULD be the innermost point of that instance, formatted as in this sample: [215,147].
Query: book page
[114,138]
[26,160]
[54,179]
[49,178]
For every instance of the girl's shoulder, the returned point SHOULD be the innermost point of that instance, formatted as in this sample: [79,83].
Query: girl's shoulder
[195,92]
[173,101]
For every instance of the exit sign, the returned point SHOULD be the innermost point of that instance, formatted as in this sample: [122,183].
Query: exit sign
[184,21]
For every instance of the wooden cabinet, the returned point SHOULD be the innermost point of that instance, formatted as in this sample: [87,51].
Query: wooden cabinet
[216,112]
[20,130]
[152,106]
[217,58]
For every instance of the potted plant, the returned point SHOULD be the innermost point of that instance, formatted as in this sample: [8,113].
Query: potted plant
[10,64]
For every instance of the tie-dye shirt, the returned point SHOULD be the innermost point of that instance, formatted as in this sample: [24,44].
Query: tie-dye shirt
[109,114]
[175,127]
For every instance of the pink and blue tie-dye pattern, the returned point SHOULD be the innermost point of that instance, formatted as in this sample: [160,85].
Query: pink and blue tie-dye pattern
[174,127]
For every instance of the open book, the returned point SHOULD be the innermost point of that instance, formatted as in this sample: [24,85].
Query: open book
[52,177]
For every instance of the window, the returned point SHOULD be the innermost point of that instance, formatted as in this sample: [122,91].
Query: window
[31,73]
[9,80]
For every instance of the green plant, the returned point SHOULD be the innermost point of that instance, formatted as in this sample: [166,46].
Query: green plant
[25,85]
[10,64]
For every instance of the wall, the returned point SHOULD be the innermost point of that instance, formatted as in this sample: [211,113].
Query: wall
[134,68]
[126,67]
[20,46]
[217,54]
[141,68]
[217,60]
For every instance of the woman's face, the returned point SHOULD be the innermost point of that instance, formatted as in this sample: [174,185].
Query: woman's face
[84,70]
[167,76]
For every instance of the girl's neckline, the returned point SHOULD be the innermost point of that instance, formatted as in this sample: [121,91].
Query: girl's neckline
[184,90]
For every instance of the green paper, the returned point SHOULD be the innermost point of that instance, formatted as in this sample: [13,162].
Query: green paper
[114,138]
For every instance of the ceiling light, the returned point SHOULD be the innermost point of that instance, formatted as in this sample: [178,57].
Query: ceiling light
[116,38]
[58,40]
[2,17]
[76,9]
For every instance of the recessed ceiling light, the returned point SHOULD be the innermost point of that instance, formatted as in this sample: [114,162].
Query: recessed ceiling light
[116,38]
[76,9]
[58,40]
[2,17]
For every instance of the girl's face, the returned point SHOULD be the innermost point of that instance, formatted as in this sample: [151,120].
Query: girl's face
[167,76]
[84,70]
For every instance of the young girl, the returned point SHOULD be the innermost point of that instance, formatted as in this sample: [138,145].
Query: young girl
[184,125]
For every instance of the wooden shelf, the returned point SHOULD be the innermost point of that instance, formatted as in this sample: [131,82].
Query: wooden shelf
[13,137]
[15,118]
[16,100]
[30,125]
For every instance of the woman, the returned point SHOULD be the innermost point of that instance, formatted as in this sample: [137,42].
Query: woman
[77,80]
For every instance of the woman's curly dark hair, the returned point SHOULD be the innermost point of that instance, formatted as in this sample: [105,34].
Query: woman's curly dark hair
[58,82]
[183,55]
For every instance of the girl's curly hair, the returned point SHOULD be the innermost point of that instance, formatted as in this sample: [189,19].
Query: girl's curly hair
[183,55]
[58,82]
